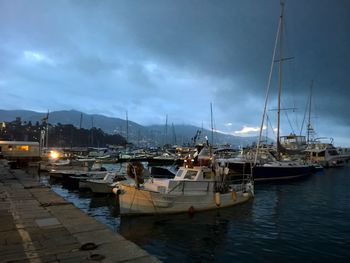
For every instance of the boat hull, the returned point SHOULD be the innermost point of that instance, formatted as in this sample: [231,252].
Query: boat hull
[99,187]
[280,173]
[134,201]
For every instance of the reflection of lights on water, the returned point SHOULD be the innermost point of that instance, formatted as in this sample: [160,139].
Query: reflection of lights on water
[54,155]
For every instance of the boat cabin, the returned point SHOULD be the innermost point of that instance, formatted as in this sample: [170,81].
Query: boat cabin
[325,154]
[193,174]
[195,179]
[293,142]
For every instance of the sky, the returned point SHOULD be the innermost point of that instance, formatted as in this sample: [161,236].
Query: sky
[158,58]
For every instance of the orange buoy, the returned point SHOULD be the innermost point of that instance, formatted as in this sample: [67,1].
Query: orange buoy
[217,199]
[234,196]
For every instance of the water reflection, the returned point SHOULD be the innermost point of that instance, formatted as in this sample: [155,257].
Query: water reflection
[178,238]
[306,219]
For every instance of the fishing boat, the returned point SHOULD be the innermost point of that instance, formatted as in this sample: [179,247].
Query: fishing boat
[274,168]
[197,186]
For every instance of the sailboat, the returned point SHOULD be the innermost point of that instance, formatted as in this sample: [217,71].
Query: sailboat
[268,164]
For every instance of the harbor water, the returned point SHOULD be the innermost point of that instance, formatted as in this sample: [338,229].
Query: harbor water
[307,220]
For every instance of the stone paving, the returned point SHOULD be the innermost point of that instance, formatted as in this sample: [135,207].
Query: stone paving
[37,225]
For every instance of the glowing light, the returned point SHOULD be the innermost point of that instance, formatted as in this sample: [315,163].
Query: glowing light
[23,148]
[54,154]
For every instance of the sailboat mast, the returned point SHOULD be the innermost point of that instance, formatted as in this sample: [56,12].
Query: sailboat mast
[92,131]
[127,127]
[47,130]
[81,120]
[174,134]
[280,79]
[212,127]
[267,94]
[309,121]
[166,130]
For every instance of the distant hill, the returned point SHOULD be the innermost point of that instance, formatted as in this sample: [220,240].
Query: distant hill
[138,134]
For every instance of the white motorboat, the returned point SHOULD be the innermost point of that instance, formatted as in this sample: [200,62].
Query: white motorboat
[194,188]
[98,175]
[105,185]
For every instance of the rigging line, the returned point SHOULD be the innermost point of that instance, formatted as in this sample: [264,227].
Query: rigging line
[291,68]
[287,116]
[304,118]
[289,122]
[269,123]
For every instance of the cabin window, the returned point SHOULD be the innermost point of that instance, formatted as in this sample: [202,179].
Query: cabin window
[161,189]
[321,154]
[24,148]
[206,175]
[179,173]
[190,174]
[333,152]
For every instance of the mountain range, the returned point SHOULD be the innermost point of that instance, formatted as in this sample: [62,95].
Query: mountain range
[152,135]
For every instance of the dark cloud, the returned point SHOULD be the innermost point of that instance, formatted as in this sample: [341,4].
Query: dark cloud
[159,57]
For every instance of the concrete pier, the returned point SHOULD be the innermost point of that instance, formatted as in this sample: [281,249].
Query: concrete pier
[37,225]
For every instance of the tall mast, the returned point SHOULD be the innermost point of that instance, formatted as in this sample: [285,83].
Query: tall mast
[280,79]
[212,127]
[127,127]
[92,131]
[166,130]
[47,130]
[81,120]
[267,93]
[309,121]
[174,134]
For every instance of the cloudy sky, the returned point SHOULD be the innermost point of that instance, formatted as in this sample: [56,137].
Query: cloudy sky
[154,58]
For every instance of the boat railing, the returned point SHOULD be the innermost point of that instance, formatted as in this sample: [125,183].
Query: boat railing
[209,186]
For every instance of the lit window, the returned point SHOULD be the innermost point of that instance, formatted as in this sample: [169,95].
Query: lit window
[23,148]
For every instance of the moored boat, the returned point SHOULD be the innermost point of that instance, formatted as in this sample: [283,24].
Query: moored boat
[325,154]
[105,185]
[274,167]
[281,170]
[194,188]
